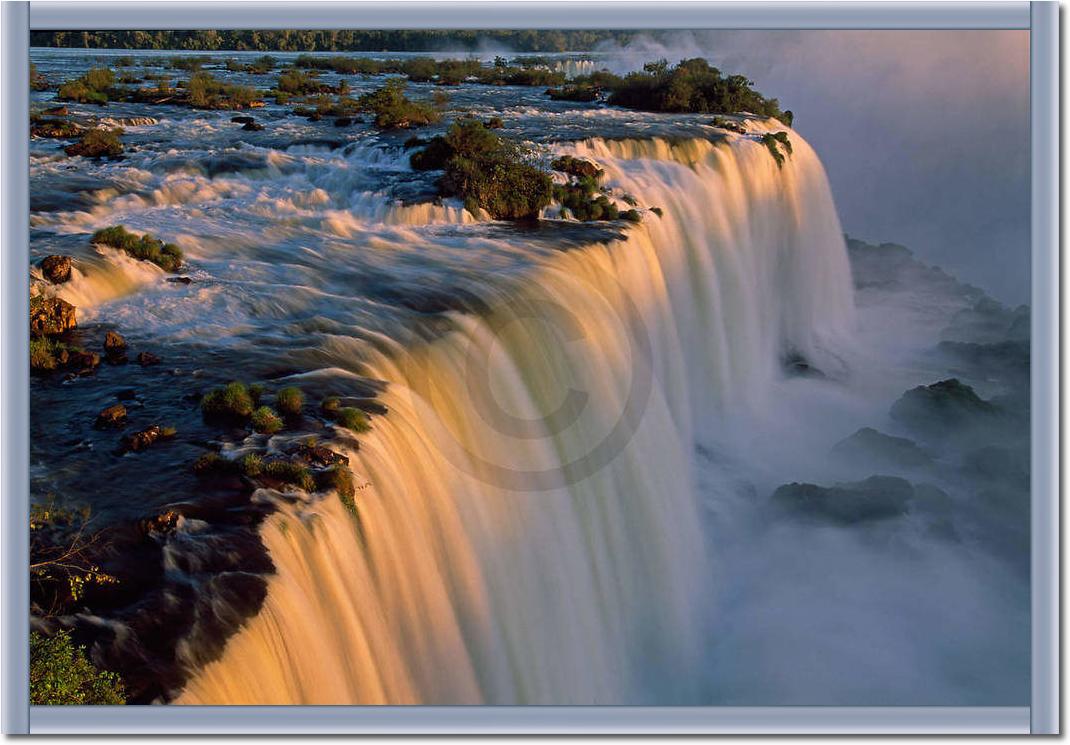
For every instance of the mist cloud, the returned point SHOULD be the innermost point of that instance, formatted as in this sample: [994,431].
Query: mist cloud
[925,134]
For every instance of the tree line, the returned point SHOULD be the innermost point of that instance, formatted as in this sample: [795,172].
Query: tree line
[308,40]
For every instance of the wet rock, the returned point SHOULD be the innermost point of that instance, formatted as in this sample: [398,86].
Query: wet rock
[316,455]
[51,316]
[147,437]
[147,358]
[113,341]
[114,348]
[56,269]
[252,126]
[128,121]
[112,416]
[942,407]
[867,445]
[126,394]
[343,121]
[242,119]
[180,280]
[81,361]
[57,111]
[876,498]
[56,129]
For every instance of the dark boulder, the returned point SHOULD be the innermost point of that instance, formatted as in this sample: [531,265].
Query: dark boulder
[56,269]
[343,121]
[50,316]
[943,407]
[876,498]
[163,523]
[871,447]
[147,358]
[180,280]
[252,126]
[242,119]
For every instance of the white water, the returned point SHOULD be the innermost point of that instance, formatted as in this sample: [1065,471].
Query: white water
[501,556]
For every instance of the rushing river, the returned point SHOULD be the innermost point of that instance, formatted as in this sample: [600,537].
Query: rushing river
[576,430]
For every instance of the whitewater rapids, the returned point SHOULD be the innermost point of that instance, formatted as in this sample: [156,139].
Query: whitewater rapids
[528,527]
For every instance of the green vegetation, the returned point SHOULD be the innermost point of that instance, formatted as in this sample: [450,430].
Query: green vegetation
[232,401]
[289,473]
[330,405]
[300,83]
[289,401]
[93,87]
[60,673]
[486,171]
[393,110]
[167,256]
[690,86]
[580,93]
[581,197]
[43,353]
[250,464]
[206,92]
[98,143]
[260,66]
[266,421]
[339,478]
[352,419]
[773,141]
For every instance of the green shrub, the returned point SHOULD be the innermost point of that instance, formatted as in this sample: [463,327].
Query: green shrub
[167,256]
[692,85]
[393,110]
[251,465]
[352,419]
[231,401]
[43,353]
[98,143]
[773,141]
[93,87]
[338,478]
[330,405]
[266,421]
[61,674]
[486,171]
[631,216]
[578,93]
[289,401]
[206,92]
[299,83]
[289,473]
[211,464]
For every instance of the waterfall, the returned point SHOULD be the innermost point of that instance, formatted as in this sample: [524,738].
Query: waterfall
[528,528]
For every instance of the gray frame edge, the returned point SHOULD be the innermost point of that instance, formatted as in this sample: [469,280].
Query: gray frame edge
[487,14]
[455,720]
[16,374]
[1045,350]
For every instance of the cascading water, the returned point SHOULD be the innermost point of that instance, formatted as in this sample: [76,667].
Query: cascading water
[528,528]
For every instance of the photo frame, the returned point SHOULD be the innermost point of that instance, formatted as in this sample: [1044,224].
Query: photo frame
[1041,716]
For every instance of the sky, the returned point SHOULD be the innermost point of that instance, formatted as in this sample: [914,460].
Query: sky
[924,134]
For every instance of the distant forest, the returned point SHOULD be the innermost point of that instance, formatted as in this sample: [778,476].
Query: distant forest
[307,40]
